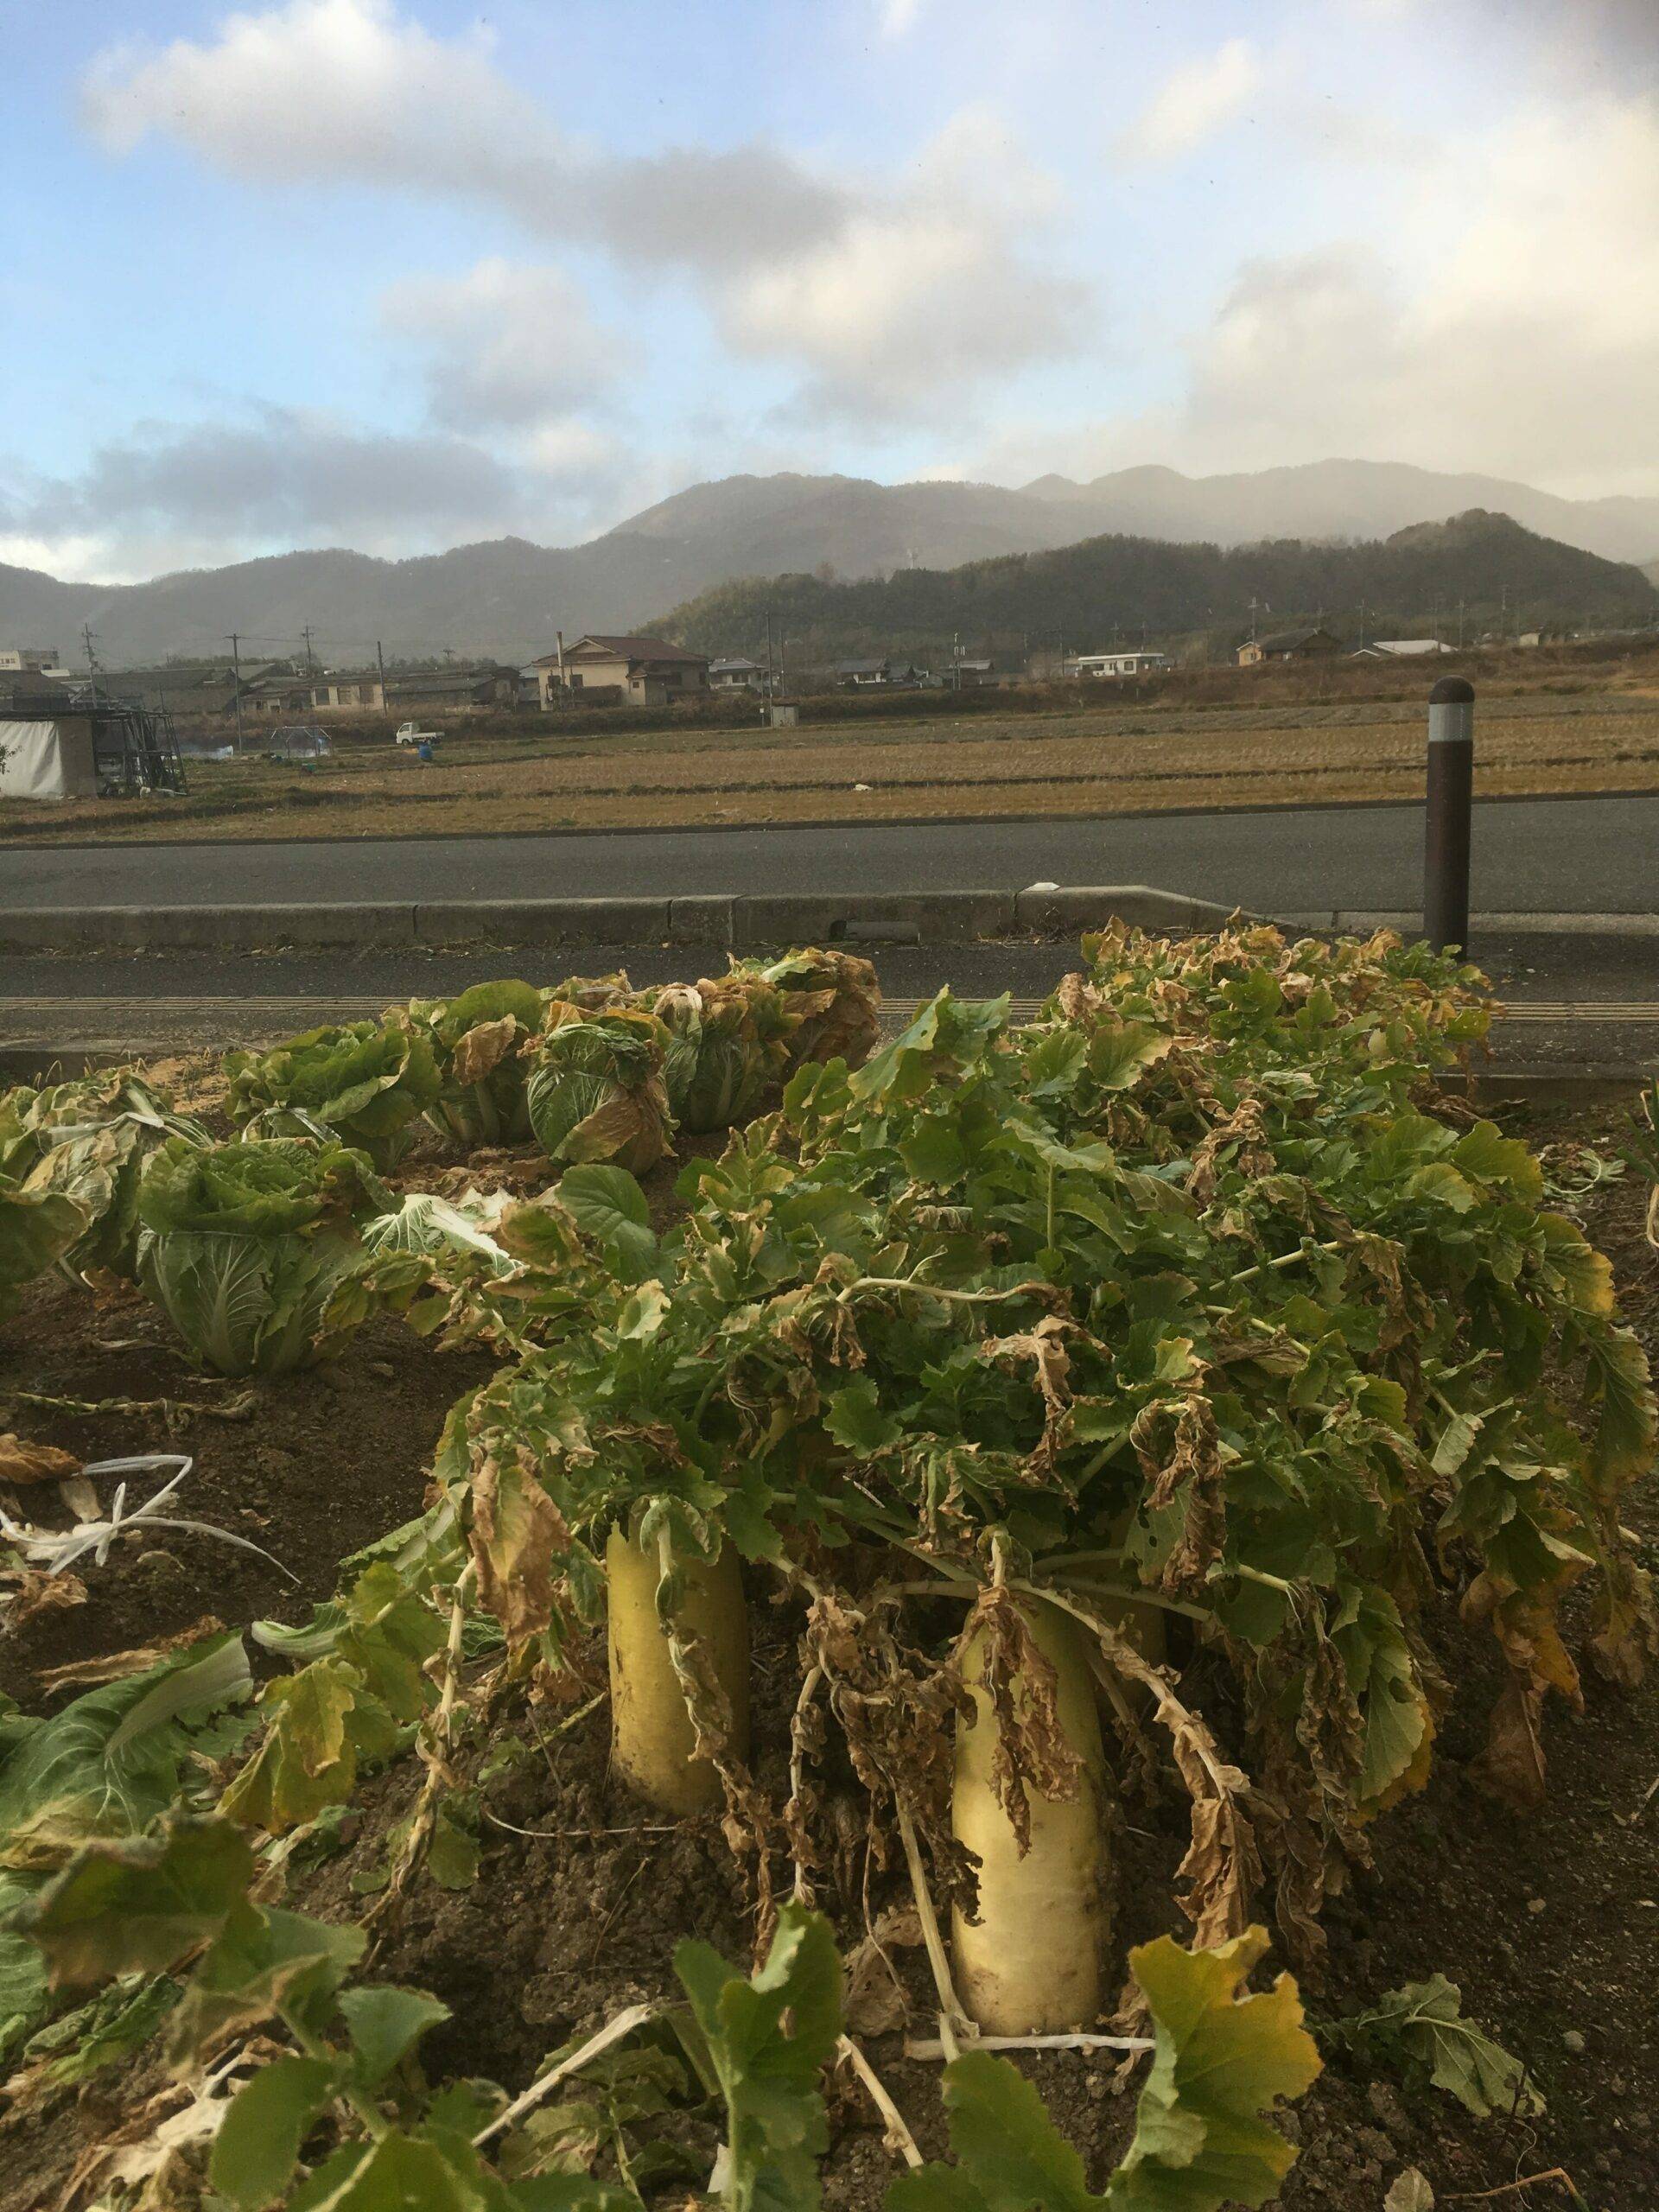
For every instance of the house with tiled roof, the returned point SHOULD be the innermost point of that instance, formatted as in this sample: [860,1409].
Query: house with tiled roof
[602,670]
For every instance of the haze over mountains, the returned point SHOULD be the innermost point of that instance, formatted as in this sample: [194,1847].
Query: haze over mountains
[506,596]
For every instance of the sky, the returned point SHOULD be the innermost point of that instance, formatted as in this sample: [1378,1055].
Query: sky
[397,275]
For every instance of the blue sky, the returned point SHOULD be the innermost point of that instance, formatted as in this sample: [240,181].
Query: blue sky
[395,274]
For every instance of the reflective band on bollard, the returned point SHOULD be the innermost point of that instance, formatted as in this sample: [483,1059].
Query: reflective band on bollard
[1448,820]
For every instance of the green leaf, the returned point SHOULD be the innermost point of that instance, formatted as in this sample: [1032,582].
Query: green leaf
[768,2039]
[397,2174]
[384,2023]
[452,1854]
[36,1227]
[854,1417]
[1488,1153]
[73,2047]
[1424,2020]
[1382,1676]
[257,2145]
[109,1763]
[1010,2155]
[306,1759]
[1220,2062]
[1118,1050]
[608,1206]
[134,1908]
[264,1960]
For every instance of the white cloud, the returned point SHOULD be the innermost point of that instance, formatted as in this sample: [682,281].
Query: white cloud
[348,91]
[926,293]
[508,347]
[1196,101]
[1502,316]
[287,476]
[899,18]
[1522,334]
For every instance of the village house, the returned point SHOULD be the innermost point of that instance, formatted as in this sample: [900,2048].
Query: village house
[1317,644]
[32,660]
[630,671]
[737,675]
[1118,664]
[1400,649]
[865,674]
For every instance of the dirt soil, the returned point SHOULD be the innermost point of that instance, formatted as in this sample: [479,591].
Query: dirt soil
[1547,1923]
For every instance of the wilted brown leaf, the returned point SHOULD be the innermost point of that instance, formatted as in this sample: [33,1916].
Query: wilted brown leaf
[482,1050]
[115,1666]
[24,1462]
[37,1592]
[875,2001]
[516,1528]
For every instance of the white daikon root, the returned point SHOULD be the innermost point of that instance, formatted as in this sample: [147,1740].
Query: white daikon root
[1033,1964]
[653,1739]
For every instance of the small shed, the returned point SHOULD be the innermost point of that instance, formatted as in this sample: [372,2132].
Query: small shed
[51,757]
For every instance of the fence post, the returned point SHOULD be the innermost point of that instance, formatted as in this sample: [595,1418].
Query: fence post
[1446,823]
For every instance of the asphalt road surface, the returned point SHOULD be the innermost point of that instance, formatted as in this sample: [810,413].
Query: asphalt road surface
[1545,855]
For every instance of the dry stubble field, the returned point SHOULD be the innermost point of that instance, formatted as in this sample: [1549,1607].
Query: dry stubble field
[1108,759]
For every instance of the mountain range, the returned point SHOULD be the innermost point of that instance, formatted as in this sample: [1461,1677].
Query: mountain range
[505,597]
[1478,570]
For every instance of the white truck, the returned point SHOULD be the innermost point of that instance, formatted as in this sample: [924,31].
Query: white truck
[412,733]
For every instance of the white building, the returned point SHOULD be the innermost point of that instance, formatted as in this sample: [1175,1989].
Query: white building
[1140,663]
[32,660]
[1400,649]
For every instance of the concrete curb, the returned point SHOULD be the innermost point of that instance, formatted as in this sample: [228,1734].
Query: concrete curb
[1350,920]
[739,924]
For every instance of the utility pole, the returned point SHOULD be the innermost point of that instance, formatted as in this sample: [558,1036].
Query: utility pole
[955,660]
[89,638]
[236,677]
[771,687]
[380,662]
[310,657]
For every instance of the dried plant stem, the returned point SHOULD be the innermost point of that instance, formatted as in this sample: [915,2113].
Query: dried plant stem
[1513,2187]
[953,2017]
[802,1890]
[613,2031]
[898,2137]
[932,2047]
[131,1409]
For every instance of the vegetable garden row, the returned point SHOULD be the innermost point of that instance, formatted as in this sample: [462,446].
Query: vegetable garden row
[1101,1404]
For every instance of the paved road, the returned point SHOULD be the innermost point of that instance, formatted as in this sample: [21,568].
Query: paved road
[1531,855]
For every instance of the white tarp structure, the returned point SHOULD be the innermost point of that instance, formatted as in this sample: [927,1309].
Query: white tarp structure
[48,760]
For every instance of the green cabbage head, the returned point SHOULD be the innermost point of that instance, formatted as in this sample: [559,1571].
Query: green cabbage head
[596,1090]
[728,1044]
[87,1141]
[364,1081]
[477,1043]
[252,1250]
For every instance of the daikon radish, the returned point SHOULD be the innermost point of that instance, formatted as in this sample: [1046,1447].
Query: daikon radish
[653,1739]
[1033,1963]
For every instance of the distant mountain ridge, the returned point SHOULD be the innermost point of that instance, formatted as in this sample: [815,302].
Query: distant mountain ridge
[506,596]
[1479,568]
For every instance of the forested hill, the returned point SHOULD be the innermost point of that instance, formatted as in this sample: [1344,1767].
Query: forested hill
[1110,588]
